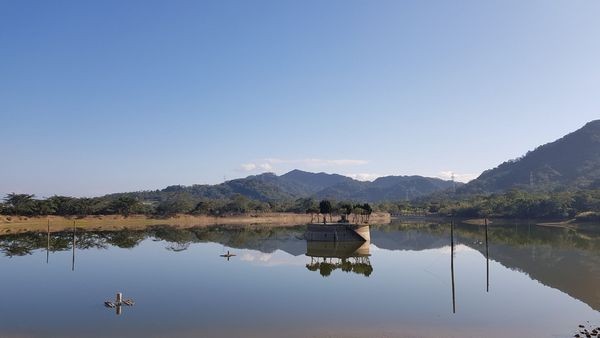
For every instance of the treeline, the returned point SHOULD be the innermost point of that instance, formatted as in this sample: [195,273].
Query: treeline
[176,203]
[581,204]
[28,205]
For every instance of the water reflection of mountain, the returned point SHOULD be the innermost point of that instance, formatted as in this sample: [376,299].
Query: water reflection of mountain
[575,272]
[407,239]
[563,259]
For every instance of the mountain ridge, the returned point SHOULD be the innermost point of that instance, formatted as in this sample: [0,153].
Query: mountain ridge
[302,184]
[570,161]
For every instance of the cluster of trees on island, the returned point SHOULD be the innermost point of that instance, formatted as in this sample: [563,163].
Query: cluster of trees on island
[360,212]
[580,204]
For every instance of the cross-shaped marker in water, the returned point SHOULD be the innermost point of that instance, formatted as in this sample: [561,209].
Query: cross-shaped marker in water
[228,255]
[119,302]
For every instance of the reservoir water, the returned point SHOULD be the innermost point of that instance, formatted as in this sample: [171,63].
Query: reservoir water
[412,280]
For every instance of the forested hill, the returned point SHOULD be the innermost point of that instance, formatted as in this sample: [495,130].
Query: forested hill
[389,188]
[300,184]
[571,162]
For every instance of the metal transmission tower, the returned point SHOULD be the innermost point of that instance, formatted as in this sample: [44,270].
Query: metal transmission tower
[531,179]
[453,183]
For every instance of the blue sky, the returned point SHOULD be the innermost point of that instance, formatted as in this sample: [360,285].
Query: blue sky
[107,96]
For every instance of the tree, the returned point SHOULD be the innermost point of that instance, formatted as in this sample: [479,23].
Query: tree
[358,212]
[83,206]
[176,204]
[124,205]
[313,211]
[62,205]
[345,208]
[239,204]
[368,211]
[205,207]
[45,207]
[325,209]
[21,204]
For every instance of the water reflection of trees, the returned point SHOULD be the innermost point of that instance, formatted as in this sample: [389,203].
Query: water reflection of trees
[19,245]
[326,265]
[175,239]
[351,256]
[26,244]
[125,239]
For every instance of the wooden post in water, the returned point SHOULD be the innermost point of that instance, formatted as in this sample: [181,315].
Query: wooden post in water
[452,264]
[487,258]
[48,244]
[73,262]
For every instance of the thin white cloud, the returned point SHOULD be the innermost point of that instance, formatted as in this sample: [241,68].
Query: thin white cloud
[317,162]
[265,166]
[273,164]
[447,175]
[248,166]
[364,176]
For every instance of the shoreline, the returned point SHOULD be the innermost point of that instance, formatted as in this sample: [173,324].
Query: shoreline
[21,224]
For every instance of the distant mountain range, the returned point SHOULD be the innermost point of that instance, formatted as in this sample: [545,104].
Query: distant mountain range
[570,162]
[301,184]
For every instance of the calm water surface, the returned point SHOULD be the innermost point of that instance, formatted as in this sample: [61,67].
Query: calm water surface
[537,282]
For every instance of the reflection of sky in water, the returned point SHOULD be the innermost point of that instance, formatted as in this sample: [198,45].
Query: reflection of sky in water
[196,292]
[276,258]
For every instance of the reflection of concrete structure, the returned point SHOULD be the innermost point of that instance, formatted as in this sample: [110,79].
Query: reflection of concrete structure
[337,249]
[347,248]
[338,232]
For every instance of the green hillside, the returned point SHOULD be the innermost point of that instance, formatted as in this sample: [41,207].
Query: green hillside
[301,184]
[571,162]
